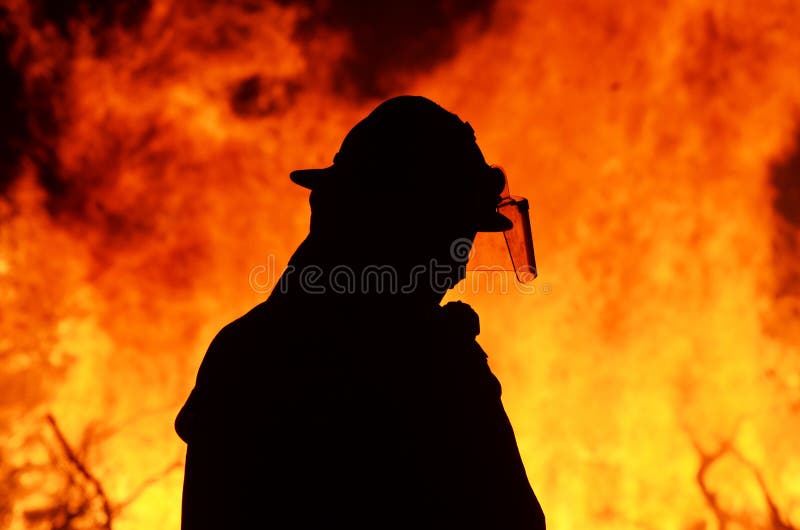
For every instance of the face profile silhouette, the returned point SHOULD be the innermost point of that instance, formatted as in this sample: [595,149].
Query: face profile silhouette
[351,398]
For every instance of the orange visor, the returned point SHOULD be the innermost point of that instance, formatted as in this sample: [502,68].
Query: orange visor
[518,238]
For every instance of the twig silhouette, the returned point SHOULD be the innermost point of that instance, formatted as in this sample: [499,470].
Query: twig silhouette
[73,505]
[80,467]
[707,459]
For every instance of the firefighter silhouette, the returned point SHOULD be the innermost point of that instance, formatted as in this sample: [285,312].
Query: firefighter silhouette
[351,398]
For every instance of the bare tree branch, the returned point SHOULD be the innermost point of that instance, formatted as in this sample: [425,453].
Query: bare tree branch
[84,472]
[707,459]
[777,520]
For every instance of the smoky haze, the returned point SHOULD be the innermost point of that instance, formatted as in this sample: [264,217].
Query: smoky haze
[387,44]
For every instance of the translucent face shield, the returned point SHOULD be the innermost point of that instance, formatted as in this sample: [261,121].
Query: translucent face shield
[518,240]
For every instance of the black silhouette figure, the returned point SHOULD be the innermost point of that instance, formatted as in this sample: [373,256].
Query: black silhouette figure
[350,398]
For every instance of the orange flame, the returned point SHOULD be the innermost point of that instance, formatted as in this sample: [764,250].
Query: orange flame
[653,377]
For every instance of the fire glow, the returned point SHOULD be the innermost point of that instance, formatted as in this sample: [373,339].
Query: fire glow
[653,377]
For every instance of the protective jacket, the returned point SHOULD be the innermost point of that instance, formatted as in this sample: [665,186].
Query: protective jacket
[339,411]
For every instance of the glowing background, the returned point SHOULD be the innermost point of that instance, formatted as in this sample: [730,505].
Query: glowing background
[653,378]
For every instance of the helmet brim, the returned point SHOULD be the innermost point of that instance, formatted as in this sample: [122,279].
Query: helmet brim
[310,178]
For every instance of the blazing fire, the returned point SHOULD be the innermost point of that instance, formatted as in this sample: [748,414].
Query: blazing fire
[653,377]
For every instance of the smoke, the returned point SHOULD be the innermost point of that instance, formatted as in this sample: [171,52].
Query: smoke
[385,45]
[391,41]
[786,182]
[785,179]
[13,133]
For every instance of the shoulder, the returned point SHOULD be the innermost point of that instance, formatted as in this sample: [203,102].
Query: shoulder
[234,344]
[248,327]
[219,379]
